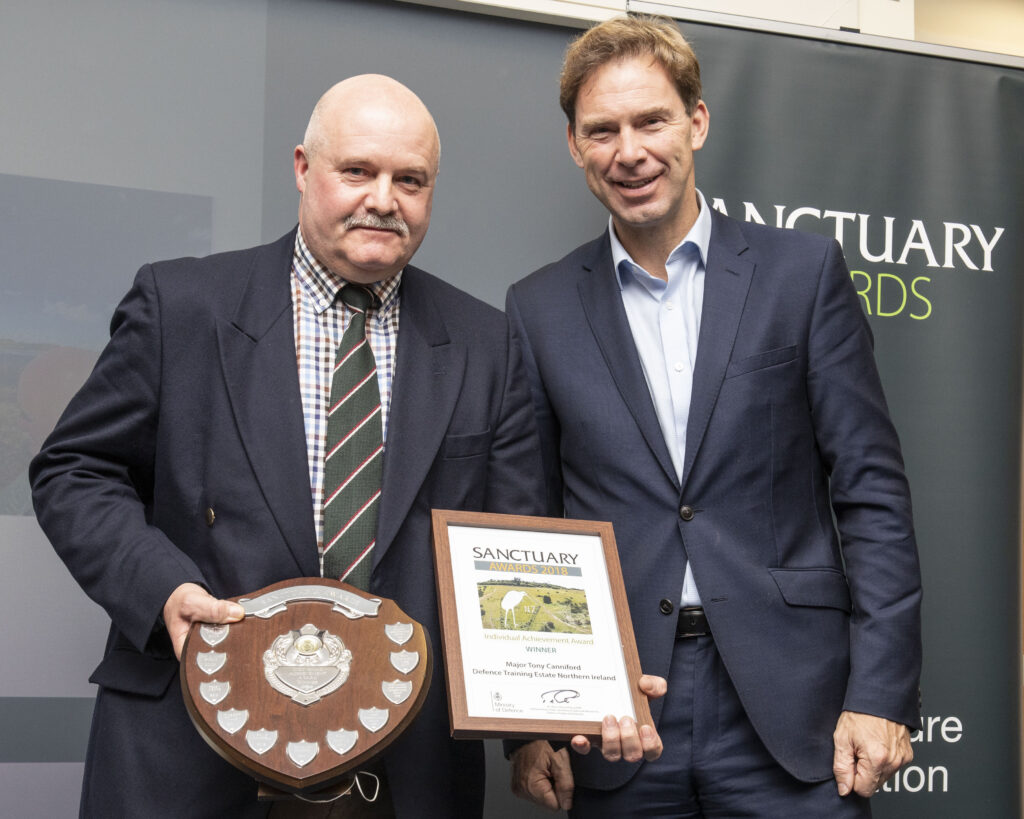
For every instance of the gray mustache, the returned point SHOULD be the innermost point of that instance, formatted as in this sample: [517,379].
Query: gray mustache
[372,220]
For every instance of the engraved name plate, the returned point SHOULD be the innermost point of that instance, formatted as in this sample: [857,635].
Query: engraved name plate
[232,720]
[399,633]
[261,741]
[341,742]
[211,661]
[302,752]
[373,719]
[404,661]
[397,691]
[213,634]
[214,691]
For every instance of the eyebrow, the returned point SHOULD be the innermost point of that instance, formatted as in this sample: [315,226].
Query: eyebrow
[598,122]
[423,171]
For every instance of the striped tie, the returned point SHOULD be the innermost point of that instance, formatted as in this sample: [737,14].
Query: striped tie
[354,451]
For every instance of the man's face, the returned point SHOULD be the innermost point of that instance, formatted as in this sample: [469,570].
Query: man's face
[367,189]
[635,142]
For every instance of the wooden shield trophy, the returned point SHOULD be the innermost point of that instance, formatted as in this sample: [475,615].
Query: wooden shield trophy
[318,679]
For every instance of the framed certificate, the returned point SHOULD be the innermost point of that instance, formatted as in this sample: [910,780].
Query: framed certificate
[537,636]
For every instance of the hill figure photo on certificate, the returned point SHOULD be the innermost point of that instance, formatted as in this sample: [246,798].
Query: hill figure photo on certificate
[525,605]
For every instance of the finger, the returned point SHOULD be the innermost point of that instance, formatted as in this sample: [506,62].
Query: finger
[629,740]
[562,773]
[653,687]
[873,768]
[580,744]
[651,742]
[611,749]
[539,790]
[867,778]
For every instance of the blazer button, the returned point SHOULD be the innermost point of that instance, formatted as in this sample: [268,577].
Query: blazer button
[666,607]
[686,512]
[210,516]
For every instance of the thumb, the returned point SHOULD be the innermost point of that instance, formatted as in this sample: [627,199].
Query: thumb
[222,611]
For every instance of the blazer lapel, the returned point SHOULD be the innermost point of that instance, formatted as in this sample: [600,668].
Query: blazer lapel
[428,378]
[602,304]
[257,351]
[726,282]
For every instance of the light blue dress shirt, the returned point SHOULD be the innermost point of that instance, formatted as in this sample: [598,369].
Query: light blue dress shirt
[664,317]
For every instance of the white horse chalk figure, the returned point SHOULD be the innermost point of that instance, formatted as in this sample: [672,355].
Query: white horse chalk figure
[509,603]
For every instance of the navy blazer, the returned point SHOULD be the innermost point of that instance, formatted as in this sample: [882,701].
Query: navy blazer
[787,427]
[194,405]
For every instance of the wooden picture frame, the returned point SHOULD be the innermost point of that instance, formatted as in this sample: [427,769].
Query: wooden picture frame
[569,657]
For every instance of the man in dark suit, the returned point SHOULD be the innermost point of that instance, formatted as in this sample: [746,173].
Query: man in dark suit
[190,466]
[709,387]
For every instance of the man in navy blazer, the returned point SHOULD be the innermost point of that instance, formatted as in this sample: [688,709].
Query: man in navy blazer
[180,474]
[709,387]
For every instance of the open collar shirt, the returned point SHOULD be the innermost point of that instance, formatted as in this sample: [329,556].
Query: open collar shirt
[664,318]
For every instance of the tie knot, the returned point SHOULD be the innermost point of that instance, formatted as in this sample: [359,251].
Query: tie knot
[356,297]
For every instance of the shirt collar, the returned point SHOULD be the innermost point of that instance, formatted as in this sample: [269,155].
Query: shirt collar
[322,287]
[699,236]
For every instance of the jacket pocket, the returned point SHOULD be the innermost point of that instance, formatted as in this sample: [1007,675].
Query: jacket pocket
[813,587]
[127,670]
[466,445]
[761,361]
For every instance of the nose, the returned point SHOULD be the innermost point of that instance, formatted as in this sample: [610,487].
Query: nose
[631,150]
[380,196]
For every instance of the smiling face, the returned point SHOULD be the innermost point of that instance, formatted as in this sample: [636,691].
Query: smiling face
[366,172]
[635,142]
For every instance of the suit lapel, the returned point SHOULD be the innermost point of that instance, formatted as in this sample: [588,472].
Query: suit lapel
[257,352]
[428,378]
[602,304]
[726,282]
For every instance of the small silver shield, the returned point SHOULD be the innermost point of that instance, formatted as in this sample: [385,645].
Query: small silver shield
[214,691]
[373,719]
[232,719]
[405,661]
[399,633]
[212,633]
[211,661]
[261,741]
[397,691]
[341,742]
[302,752]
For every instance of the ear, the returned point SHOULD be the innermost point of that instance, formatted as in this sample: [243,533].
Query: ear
[301,167]
[570,137]
[700,122]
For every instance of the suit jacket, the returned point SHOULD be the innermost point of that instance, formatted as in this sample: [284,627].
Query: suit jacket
[195,405]
[787,428]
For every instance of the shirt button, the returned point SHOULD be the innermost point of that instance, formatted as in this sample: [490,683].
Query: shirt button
[686,512]
[669,306]
[679,366]
[666,607]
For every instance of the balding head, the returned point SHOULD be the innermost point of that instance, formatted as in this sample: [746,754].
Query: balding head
[366,172]
[363,92]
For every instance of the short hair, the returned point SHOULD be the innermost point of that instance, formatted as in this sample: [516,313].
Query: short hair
[623,38]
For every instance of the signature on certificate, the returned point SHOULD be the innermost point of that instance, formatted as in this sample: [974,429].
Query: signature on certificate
[559,696]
